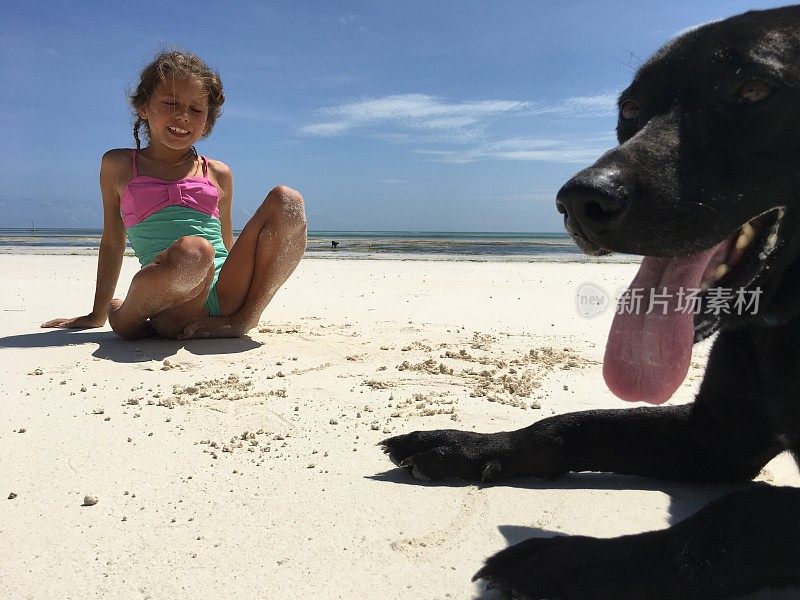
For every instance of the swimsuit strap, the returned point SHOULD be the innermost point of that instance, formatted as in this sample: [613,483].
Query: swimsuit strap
[205,166]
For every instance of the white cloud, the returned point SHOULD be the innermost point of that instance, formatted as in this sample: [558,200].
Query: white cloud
[599,105]
[412,111]
[528,149]
[326,129]
[459,132]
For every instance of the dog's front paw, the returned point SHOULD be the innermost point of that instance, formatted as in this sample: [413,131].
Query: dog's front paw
[581,568]
[447,453]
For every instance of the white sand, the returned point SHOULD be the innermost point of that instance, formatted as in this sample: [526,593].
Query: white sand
[248,468]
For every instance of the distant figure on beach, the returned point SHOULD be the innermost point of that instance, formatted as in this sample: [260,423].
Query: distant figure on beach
[334,244]
[174,205]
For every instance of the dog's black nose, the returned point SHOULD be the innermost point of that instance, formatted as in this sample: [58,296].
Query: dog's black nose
[594,200]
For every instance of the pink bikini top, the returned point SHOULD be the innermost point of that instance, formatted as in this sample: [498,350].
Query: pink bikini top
[144,195]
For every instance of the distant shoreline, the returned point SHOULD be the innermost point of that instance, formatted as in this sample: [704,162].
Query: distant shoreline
[574,258]
[360,245]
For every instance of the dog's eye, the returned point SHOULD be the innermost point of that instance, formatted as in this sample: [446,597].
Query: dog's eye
[629,109]
[753,91]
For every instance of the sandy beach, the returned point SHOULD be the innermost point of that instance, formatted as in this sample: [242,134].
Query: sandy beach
[248,468]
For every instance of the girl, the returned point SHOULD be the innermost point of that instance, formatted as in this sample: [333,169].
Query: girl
[175,207]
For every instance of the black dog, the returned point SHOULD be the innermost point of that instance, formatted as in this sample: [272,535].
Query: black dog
[705,183]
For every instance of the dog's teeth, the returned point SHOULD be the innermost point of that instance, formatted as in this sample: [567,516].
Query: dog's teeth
[746,235]
[721,271]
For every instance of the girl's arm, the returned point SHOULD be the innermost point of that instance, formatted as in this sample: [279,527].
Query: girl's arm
[224,180]
[112,246]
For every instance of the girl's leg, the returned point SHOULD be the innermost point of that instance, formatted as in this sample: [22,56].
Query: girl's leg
[264,255]
[166,294]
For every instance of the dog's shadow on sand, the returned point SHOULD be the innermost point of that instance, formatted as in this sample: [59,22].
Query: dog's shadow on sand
[685,500]
[112,347]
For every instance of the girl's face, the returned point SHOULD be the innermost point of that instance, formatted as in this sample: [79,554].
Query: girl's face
[177,113]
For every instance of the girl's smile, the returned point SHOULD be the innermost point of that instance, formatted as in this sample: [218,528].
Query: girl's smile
[176,114]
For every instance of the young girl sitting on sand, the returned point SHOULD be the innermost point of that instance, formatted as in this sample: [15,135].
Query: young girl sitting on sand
[175,207]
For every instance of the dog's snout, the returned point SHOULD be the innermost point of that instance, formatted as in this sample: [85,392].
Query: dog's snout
[593,199]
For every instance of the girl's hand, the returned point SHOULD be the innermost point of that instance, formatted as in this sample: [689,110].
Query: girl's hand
[85,322]
[212,327]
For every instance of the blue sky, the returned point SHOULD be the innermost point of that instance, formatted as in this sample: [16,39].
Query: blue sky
[386,115]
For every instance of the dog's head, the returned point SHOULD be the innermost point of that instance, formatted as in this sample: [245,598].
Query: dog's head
[705,183]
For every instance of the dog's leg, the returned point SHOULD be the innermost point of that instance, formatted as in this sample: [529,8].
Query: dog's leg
[726,434]
[738,544]
[666,442]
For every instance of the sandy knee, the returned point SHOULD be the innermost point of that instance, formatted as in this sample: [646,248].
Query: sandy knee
[286,203]
[187,264]
[193,247]
[191,251]
[285,194]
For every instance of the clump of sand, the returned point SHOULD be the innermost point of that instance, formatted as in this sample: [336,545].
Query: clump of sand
[430,366]
[261,442]
[230,388]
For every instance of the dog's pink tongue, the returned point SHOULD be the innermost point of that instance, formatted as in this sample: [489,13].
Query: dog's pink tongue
[647,355]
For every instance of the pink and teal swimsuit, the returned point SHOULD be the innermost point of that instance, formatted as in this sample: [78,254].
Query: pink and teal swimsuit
[156,213]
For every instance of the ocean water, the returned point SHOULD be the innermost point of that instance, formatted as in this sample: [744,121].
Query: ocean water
[439,243]
[351,244]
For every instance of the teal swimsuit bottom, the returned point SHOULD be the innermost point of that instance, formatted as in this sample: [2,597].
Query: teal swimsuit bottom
[156,233]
